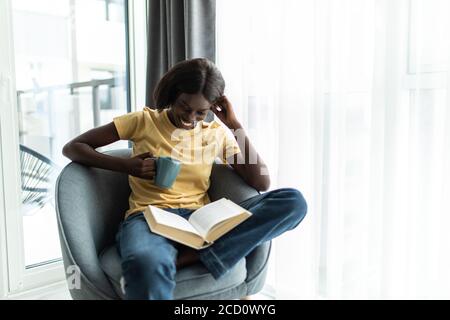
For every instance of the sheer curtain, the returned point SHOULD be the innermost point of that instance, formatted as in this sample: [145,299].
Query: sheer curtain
[349,102]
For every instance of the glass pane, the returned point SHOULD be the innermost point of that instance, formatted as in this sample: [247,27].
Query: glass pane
[70,77]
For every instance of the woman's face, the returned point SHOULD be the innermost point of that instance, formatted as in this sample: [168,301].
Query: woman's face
[188,109]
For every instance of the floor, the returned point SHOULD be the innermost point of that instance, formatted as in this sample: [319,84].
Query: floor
[60,291]
[64,295]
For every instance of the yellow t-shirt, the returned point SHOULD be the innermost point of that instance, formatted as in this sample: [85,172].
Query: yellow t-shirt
[152,131]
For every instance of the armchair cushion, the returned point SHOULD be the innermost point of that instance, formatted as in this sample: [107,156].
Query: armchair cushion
[205,285]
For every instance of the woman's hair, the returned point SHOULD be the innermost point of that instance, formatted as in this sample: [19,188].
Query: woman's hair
[193,76]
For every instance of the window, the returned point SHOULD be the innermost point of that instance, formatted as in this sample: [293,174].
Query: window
[71,67]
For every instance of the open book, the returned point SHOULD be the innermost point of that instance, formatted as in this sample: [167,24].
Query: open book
[205,225]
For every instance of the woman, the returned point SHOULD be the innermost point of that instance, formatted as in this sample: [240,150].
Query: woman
[176,128]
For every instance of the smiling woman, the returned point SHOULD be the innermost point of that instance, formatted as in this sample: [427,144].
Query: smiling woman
[183,97]
[183,115]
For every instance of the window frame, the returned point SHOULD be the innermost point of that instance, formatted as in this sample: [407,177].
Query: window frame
[15,278]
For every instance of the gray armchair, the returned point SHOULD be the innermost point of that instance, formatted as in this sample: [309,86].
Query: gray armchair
[90,203]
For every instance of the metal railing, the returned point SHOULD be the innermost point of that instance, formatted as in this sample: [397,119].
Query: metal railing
[73,87]
[94,84]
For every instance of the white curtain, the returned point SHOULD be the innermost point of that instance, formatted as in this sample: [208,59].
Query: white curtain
[349,102]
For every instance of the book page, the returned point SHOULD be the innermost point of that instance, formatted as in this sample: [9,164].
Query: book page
[206,217]
[171,219]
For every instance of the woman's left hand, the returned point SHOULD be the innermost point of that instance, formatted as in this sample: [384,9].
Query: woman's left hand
[223,109]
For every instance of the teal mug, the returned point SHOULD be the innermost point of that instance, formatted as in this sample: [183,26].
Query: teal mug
[167,170]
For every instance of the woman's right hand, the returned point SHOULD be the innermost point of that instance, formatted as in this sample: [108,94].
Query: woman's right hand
[142,166]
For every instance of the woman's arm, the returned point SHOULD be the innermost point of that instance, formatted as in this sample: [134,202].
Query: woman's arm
[82,150]
[254,174]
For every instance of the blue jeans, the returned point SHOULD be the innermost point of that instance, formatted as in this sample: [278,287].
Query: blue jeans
[148,260]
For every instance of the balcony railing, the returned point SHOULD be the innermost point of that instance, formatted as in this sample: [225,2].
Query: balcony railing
[74,88]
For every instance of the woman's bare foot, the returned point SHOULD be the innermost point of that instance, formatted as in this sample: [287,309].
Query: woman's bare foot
[186,257]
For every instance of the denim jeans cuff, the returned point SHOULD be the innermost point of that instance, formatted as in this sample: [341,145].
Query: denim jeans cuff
[212,262]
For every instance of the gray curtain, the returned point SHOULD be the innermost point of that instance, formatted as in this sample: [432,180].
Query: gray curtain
[178,30]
